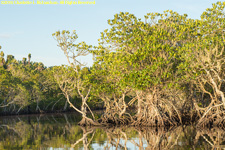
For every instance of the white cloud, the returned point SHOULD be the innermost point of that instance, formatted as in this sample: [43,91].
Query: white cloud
[10,35]
[5,35]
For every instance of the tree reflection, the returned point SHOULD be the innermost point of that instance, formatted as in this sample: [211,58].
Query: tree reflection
[61,131]
[213,138]
[116,137]
[84,139]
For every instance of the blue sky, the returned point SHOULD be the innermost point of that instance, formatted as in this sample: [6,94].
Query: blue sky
[28,29]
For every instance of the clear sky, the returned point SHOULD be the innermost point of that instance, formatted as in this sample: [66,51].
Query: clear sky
[28,29]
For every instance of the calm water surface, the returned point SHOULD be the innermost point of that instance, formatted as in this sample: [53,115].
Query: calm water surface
[59,132]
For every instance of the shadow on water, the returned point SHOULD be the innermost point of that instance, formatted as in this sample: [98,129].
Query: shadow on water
[61,131]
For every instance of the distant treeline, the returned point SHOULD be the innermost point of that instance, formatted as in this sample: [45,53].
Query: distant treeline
[169,68]
[31,87]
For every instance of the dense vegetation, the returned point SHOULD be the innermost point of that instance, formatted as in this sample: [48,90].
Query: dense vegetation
[30,87]
[168,68]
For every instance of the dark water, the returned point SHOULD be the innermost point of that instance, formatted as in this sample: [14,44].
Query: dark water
[59,132]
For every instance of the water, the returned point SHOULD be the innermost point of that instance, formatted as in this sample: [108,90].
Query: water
[60,132]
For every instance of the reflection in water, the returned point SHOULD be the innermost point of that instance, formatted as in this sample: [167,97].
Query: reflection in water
[214,138]
[84,139]
[61,131]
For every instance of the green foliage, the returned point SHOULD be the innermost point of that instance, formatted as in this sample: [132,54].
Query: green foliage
[158,52]
[27,88]
[165,51]
[141,55]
